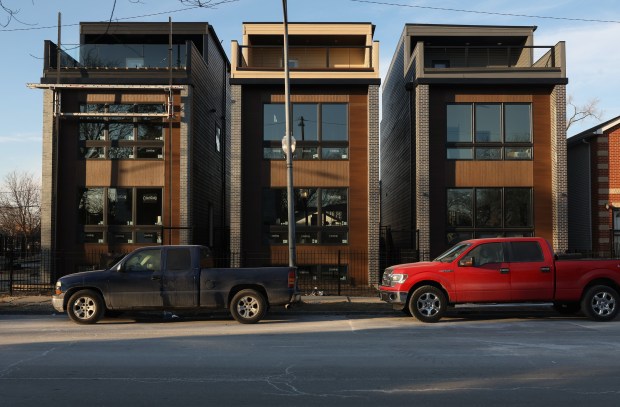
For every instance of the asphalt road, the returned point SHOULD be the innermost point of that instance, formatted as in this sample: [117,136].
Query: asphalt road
[310,360]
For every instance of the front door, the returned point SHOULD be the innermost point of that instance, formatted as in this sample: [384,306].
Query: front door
[487,279]
[138,282]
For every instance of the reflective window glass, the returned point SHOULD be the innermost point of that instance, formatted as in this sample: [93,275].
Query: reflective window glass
[460,207]
[459,123]
[120,204]
[488,123]
[305,122]
[517,123]
[90,206]
[488,207]
[518,207]
[148,206]
[334,122]
[274,122]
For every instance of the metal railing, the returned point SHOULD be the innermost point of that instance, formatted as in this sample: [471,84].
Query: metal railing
[270,57]
[499,56]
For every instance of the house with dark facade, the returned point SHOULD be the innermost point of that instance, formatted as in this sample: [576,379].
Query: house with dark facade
[473,140]
[334,71]
[594,190]
[135,140]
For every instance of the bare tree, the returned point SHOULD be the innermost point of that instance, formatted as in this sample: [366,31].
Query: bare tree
[20,205]
[10,15]
[577,113]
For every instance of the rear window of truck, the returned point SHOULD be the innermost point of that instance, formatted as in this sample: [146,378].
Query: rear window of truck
[526,252]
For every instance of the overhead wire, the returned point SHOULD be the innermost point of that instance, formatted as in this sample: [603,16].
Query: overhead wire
[590,20]
[212,5]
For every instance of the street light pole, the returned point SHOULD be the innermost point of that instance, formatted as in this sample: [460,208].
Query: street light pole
[292,258]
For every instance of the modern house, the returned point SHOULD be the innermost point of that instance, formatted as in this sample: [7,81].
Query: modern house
[594,190]
[473,138]
[135,140]
[334,71]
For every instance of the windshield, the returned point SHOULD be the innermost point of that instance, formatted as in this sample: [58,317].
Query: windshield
[453,253]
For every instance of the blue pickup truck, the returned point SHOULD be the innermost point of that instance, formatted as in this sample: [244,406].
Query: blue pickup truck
[173,278]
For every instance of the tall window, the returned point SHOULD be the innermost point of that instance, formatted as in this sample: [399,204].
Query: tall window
[488,212]
[489,131]
[321,215]
[321,131]
[114,136]
[120,215]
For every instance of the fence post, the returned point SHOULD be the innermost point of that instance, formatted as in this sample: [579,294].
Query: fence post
[339,268]
[11,272]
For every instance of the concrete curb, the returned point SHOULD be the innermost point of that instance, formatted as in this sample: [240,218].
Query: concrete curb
[42,305]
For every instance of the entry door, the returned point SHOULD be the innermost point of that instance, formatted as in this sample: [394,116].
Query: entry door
[138,283]
[180,284]
[488,279]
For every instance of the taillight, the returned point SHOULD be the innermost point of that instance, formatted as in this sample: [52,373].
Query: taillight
[292,277]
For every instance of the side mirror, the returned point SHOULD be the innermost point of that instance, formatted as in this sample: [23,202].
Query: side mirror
[467,262]
[119,267]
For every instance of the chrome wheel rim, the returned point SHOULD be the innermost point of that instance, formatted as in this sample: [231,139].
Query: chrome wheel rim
[248,307]
[428,304]
[603,303]
[84,307]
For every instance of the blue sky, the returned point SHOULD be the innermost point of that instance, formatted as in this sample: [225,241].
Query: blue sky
[593,59]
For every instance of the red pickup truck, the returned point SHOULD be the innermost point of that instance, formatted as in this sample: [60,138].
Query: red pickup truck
[503,270]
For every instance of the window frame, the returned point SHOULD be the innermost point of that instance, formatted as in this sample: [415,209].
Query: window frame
[310,234]
[130,233]
[139,116]
[457,233]
[314,149]
[520,150]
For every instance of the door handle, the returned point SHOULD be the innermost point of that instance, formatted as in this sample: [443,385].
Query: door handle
[504,271]
[545,269]
[154,277]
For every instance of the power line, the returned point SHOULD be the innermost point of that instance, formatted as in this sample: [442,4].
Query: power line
[486,12]
[213,5]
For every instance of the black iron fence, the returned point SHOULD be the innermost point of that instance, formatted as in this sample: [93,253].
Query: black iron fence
[319,273]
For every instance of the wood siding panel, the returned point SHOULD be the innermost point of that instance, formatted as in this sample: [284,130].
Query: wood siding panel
[492,173]
[307,173]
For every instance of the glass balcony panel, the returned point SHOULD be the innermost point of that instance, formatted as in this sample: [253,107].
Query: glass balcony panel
[123,56]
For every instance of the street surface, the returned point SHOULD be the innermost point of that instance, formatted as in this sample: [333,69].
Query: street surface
[309,360]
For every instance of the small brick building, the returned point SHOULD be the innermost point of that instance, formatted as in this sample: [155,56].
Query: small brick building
[594,189]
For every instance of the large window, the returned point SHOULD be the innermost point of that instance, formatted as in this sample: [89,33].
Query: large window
[321,216]
[488,212]
[115,136]
[120,215]
[489,131]
[321,131]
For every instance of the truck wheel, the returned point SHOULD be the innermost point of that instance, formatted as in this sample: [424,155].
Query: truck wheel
[85,307]
[600,303]
[248,306]
[428,304]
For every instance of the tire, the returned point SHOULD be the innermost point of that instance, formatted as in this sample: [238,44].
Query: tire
[428,304]
[248,306]
[600,303]
[85,307]
[566,308]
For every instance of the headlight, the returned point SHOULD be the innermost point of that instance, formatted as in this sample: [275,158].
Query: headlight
[391,279]
[398,278]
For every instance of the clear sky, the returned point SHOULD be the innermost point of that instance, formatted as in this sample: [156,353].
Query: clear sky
[593,59]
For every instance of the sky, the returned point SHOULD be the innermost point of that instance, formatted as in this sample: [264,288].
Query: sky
[590,29]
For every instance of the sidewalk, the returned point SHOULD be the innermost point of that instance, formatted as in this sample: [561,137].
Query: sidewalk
[42,305]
